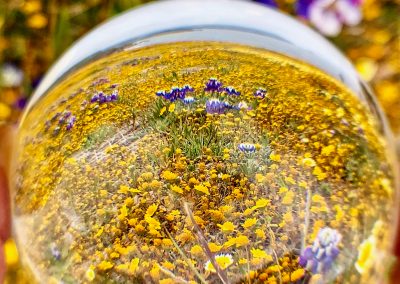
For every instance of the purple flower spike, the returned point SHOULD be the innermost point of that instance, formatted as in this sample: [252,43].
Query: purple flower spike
[215,106]
[319,257]
[260,93]
[231,91]
[213,85]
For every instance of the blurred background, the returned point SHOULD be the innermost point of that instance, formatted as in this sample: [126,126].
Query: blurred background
[34,33]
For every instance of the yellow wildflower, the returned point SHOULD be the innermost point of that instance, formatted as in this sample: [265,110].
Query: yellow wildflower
[169,176]
[297,275]
[202,188]
[275,157]
[241,241]
[366,255]
[177,189]
[171,107]
[10,253]
[90,275]
[151,210]
[259,253]
[249,222]
[162,111]
[196,250]
[214,247]
[227,227]
[223,261]
[105,265]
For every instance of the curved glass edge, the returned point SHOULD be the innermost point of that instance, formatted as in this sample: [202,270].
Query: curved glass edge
[164,16]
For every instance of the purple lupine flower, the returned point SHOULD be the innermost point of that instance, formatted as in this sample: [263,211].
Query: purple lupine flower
[270,3]
[71,122]
[213,85]
[228,105]
[176,93]
[161,93]
[55,252]
[67,114]
[247,147]
[114,96]
[188,88]
[94,98]
[231,91]
[215,106]
[260,93]
[188,100]
[328,16]
[319,257]
[102,98]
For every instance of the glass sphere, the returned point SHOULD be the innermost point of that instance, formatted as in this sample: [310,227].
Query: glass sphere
[225,143]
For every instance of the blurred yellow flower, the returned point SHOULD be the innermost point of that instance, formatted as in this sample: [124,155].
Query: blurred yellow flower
[37,21]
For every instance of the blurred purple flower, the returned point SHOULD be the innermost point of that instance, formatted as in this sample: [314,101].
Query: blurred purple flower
[328,16]
[319,257]
[20,103]
[270,3]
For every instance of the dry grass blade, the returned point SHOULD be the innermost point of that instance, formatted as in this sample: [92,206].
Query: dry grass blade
[202,280]
[204,245]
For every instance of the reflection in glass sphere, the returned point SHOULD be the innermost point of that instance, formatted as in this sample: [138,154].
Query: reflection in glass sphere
[202,161]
